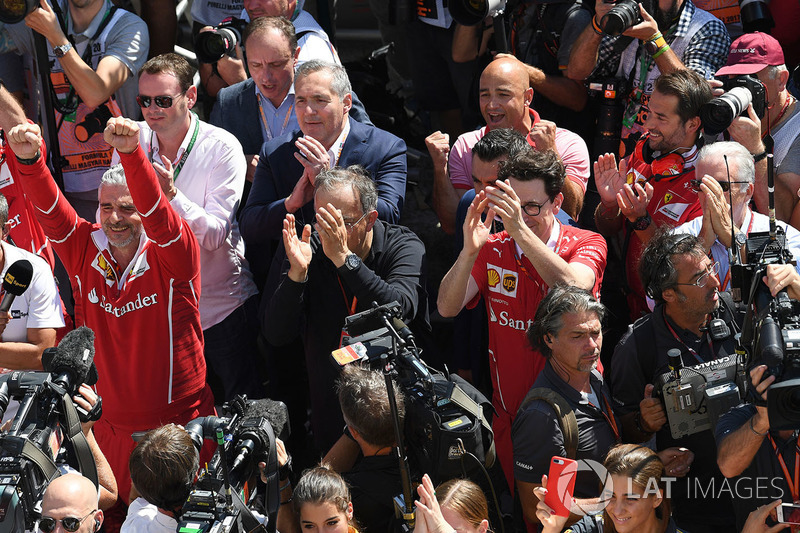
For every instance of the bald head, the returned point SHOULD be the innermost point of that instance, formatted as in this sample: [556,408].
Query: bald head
[505,95]
[72,495]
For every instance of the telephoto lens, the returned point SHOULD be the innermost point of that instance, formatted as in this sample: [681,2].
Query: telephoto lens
[622,16]
[212,45]
[13,11]
[717,115]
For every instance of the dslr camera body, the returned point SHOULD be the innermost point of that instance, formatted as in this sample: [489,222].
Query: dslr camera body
[213,45]
[740,91]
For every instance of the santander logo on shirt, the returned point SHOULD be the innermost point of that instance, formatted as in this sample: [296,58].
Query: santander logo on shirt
[138,303]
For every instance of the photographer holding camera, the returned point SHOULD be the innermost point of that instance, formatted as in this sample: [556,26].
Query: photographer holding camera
[94,65]
[374,480]
[626,42]
[762,460]
[759,56]
[163,468]
[681,278]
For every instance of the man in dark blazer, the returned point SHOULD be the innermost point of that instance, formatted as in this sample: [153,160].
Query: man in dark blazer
[284,178]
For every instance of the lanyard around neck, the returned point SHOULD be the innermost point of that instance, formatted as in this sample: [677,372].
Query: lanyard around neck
[185,156]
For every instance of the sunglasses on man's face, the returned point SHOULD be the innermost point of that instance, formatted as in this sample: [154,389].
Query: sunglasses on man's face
[725,185]
[48,524]
[163,101]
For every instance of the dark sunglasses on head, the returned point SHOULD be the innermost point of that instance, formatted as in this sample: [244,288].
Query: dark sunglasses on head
[48,524]
[163,101]
[725,185]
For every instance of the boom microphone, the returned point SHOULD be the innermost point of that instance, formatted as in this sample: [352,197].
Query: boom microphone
[254,436]
[15,282]
[72,361]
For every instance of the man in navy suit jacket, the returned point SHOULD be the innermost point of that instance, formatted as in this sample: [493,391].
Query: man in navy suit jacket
[284,178]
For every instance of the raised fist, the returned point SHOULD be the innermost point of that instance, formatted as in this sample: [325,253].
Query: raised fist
[122,133]
[25,140]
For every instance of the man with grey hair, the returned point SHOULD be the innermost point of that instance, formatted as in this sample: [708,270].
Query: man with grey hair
[725,179]
[761,56]
[289,164]
[567,331]
[135,278]
[349,260]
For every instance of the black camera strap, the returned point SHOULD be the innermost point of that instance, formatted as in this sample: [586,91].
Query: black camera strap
[72,424]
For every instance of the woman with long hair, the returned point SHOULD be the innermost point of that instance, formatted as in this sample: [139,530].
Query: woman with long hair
[637,503]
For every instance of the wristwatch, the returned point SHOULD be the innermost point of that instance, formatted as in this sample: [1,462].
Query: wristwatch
[655,44]
[352,262]
[740,239]
[642,223]
[61,51]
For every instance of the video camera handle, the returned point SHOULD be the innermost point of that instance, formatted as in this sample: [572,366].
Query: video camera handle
[409,515]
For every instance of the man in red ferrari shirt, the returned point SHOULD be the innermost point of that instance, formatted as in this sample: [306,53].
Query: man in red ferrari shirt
[135,278]
[513,271]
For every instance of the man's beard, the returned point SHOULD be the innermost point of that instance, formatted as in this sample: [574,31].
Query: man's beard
[665,19]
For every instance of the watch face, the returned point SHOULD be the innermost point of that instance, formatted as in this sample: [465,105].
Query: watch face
[352,261]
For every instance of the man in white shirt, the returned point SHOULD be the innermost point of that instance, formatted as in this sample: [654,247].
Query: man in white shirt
[29,326]
[201,169]
[716,197]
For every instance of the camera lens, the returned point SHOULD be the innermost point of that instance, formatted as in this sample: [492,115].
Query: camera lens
[718,114]
[622,16]
[13,11]
[755,16]
[94,122]
[212,45]
[471,12]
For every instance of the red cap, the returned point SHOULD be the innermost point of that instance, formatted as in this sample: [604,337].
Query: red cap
[751,53]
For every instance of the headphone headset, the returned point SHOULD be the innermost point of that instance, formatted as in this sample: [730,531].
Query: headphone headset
[667,165]
[655,284]
[97,524]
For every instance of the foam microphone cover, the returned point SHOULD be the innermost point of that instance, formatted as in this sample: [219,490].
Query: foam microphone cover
[18,277]
[75,352]
[275,412]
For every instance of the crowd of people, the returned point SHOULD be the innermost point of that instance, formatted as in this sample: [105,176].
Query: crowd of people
[215,236]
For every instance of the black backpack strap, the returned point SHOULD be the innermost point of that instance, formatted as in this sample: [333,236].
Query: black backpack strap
[565,414]
[461,399]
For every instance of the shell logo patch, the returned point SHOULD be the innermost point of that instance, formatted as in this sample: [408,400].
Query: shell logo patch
[494,277]
[501,280]
[102,265]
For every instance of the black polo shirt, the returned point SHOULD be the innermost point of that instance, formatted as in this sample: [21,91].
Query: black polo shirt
[632,370]
[763,481]
[536,434]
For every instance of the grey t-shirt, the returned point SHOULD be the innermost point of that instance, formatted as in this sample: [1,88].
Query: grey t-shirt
[127,40]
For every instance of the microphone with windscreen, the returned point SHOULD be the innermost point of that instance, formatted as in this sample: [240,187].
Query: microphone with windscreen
[71,363]
[15,282]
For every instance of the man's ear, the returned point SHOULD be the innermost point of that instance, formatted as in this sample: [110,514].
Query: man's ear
[191,96]
[6,229]
[371,218]
[668,295]
[347,101]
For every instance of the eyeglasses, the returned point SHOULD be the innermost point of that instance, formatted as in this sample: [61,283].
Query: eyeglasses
[701,281]
[163,101]
[348,225]
[726,185]
[70,523]
[351,225]
[533,209]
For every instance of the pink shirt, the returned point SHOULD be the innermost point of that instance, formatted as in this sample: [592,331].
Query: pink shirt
[571,148]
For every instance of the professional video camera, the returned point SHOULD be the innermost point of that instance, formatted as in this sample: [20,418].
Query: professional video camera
[771,330]
[740,91]
[696,396]
[45,422]
[212,45]
[245,437]
[446,418]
